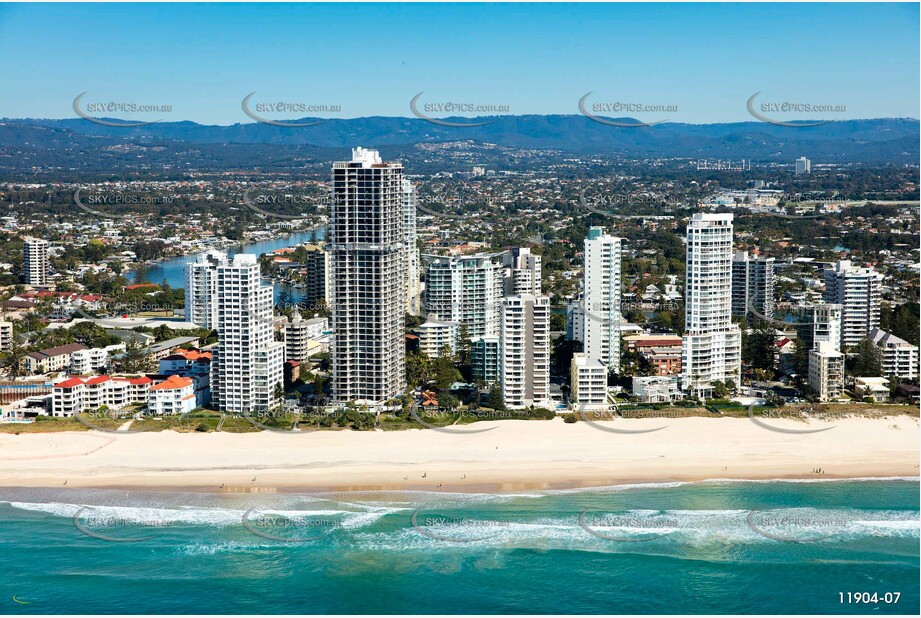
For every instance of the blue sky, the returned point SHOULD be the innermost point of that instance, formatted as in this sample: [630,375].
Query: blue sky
[707,59]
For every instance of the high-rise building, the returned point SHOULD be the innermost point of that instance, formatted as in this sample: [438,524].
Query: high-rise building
[588,381]
[435,335]
[857,290]
[35,258]
[524,339]
[366,240]
[317,276]
[803,166]
[752,285]
[413,286]
[302,337]
[201,287]
[485,353]
[819,323]
[523,272]
[712,345]
[247,361]
[466,289]
[601,298]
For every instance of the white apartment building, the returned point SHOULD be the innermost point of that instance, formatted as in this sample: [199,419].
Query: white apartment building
[523,272]
[303,338]
[434,335]
[92,360]
[366,239]
[826,372]
[601,298]
[175,395]
[524,336]
[201,304]
[75,395]
[752,285]
[575,320]
[900,358]
[857,290]
[35,261]
[803,166]
[247,361]
[588,381]
[712,345]
[413,285]
[6,335]
[192,364]
[820,323]
[467,289]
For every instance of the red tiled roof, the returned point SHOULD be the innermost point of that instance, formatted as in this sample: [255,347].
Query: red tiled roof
[172,382]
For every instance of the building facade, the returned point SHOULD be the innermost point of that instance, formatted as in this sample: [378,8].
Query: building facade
[523,272]
[201,288]
[900,358]
[588,381]
[752,285]
[247,361]
[712,345]
[413,285]
[857,290]
[826,372]
[366,239]
[601,298]
[467,289]
[524,338]
[35,261]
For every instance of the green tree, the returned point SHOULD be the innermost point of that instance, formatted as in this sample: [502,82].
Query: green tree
[418,369]
[867,360]
[444,372]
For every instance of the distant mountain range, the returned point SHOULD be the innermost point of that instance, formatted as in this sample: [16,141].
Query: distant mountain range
[848,141]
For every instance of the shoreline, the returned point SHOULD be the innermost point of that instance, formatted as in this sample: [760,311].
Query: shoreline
[516,456]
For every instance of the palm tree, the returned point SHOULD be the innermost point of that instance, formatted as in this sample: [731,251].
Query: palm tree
[13,359]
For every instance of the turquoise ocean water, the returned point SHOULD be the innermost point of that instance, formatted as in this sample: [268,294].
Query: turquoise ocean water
[710,547]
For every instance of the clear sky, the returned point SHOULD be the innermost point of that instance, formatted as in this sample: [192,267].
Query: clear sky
[371,59]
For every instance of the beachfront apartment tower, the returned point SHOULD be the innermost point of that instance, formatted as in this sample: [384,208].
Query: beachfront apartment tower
[523,272]
[467,289]
[35,261]
[317,276]
[247,361]
[524,341]
[366,239]
[826,372]
[413,286]
[601,298]
[819,323]
[857,290]
[200,288]
[712,344]
[752,286]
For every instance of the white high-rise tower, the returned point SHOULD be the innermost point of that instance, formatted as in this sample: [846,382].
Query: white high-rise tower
[200,288]
[366,241]
[413,287]
[858,292]
[35,257]
[712,346]
[601,298]
[247,363]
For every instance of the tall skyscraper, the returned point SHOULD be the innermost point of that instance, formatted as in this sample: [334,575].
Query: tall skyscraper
[35,258]
[247,362]
[524,340]
[466,289]
[317,276]
[712,345]
[601,298]
[803,166]
[413,286]
[524,272]
[857,290]
[366,240]
[752,284]
[201,287]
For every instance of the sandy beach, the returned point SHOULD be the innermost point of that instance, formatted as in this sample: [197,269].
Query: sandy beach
[512,455]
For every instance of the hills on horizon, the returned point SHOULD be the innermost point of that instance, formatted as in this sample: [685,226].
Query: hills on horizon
[877,141]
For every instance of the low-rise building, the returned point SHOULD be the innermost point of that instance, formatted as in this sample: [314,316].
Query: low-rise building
[656,389]
[51,359]
[75,395]
[93,360]
[6,335]
[588,379]
[872,388]
[192,364]
[826,371]
[900,358]
[304,338]
[175,395]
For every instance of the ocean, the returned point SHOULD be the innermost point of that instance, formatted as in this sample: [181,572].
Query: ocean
[793,547]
